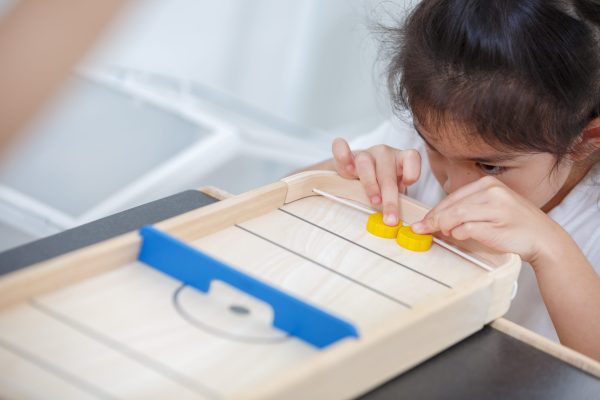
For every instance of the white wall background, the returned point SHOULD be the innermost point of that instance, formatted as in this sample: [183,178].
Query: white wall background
[308,61]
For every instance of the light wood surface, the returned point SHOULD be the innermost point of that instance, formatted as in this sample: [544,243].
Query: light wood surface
[109,326]
[215,192]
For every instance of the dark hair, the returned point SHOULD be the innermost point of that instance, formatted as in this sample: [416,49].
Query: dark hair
[522,74]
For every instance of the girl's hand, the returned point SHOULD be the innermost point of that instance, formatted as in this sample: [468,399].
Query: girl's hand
[383,171]
[489,212]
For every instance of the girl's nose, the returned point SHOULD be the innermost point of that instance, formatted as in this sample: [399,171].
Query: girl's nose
[448,186]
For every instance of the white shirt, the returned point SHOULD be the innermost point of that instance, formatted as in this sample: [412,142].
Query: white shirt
[578,214]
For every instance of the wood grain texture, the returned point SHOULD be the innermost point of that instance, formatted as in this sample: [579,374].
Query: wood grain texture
[74,362]
[14,365]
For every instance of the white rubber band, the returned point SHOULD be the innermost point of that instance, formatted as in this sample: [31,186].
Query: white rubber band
[440,242]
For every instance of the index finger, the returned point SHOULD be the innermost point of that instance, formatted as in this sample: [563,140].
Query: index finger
[388,182]
[343,158]
[430,222]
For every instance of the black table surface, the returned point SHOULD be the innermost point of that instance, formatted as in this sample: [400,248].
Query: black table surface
[489,364]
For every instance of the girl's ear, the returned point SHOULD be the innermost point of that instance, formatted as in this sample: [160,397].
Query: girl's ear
[588,142]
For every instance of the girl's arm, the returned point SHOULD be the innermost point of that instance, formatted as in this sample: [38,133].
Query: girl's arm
[571,291]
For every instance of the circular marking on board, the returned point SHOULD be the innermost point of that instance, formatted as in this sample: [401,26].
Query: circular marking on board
[413,241]
[222,318]
[377,227]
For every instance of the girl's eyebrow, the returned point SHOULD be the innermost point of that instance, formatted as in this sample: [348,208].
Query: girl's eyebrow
[483,160]
[493,159]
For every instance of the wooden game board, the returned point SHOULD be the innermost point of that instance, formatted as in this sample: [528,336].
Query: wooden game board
[111,327]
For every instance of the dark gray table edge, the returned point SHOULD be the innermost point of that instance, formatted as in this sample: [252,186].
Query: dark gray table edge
[102,229]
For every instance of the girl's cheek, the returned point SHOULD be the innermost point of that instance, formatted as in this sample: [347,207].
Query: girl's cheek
[536,190]
[536,182]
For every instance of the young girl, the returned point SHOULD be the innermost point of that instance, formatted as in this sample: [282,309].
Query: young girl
[504,143]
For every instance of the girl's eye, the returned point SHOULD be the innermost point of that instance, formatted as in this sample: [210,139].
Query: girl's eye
[491,169]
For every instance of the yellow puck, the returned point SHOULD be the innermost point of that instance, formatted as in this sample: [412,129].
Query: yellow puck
[377,227]
[413,241]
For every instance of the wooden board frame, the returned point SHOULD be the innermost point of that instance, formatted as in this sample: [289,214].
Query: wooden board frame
[349,367]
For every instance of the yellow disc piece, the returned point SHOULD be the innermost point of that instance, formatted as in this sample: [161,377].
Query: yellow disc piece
[413,241]
[377,227]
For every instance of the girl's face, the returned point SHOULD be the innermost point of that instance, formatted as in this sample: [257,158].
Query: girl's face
[457,159]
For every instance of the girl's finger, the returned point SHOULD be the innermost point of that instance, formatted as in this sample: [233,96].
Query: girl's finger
[474,187]
[471,209]
[408,165]
[479,231]
[479,188]
[365,170]
[385,168]
[343,158]
[487,234]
